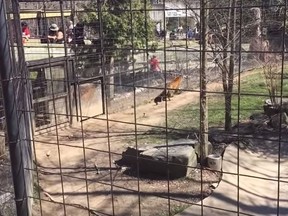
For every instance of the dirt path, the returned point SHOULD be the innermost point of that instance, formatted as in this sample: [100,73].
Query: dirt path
[151,114]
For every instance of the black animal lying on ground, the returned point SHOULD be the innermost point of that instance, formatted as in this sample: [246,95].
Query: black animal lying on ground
[163,96]
[175,84]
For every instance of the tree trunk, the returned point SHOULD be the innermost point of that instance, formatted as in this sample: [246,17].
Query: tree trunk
[228,116]
[203,96]
[228,95]
[225,69]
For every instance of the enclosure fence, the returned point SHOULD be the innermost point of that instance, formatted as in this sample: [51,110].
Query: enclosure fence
[139,107]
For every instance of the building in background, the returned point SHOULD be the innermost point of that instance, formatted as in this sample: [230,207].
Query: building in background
[175,13]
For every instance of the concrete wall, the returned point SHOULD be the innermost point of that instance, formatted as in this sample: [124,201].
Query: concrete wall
[34,50]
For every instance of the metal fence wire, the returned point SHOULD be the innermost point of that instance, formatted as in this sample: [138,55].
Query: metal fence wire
[139,107]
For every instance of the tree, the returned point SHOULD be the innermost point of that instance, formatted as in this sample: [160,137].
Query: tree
[122,25]
[203,82]
[224,26]
[272,77]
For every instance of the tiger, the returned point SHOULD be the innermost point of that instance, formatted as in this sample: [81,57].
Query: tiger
[174,85]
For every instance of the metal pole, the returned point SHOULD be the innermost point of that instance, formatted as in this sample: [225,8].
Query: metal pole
[13,131]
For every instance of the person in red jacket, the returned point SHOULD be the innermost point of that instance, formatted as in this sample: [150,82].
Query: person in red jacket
[154,64]
[25,31]
[155,67]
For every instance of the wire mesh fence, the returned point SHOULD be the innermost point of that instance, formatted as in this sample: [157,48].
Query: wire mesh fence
[129,107]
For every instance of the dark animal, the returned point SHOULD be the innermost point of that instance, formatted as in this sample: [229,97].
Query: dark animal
[162,97]
[174,86]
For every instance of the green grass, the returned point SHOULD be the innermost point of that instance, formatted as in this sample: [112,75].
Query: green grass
[253,93]
[251,99]
[155,137]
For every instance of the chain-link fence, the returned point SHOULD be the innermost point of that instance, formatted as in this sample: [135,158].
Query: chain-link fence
[138,107]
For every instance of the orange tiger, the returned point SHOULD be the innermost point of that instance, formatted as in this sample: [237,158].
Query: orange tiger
[174,85]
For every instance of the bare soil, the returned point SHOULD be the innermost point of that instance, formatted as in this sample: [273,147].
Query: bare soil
[87,175]
[77,182]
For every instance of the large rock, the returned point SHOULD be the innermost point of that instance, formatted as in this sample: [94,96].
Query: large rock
[129,156]
[259,118]
[192,142]
[180,160]
[154,158]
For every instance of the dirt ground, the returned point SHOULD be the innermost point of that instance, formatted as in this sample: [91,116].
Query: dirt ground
[86,176]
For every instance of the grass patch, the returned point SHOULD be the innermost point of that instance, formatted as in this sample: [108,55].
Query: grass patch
[253,93]
[155,137]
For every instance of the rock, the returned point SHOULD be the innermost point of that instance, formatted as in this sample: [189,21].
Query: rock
[153,158]
[259,119]
[138,90]
[48,153]
[268,102]
[278,100]
[221,138]
[192,142]
[275,120]
[130,155]
[270,110]
[258,116]
[244,128]
[213,186]
[181,160]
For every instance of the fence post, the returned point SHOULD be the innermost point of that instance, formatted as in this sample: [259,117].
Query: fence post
[18,126]
[120,87]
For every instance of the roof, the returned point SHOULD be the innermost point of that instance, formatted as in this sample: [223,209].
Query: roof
[33,14]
